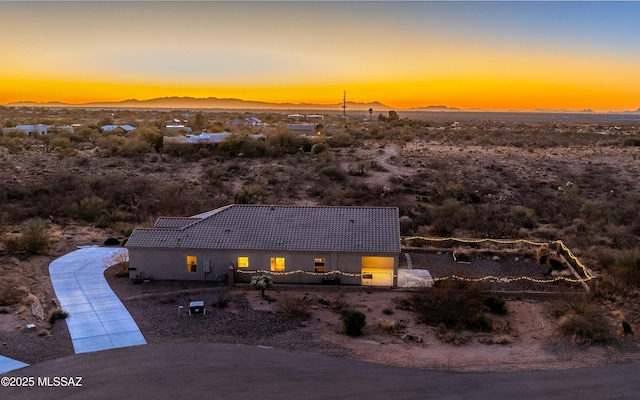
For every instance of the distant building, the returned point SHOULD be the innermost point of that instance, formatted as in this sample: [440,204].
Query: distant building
[251,121]
[302,128]
[203,138]
[31,130]
[117,128]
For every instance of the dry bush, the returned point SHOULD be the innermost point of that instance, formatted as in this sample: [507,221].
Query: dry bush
[34,238]
[586,326]
[391,327]
[453,303]
[120,259]
[294,308]
[57,314]
[10,292]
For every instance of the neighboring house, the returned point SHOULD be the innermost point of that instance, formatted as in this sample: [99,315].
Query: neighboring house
[203,138]
[251,121]
[302,128]
[31,130]
[117,128]
[295,244]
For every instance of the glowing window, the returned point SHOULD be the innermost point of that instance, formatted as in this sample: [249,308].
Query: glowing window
[277,264]
[243,262]
[319,264]
[192,264]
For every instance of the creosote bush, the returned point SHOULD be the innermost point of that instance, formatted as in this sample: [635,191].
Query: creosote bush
[353,321]
[35,237]
[294,308]
[454,304]
[57,314]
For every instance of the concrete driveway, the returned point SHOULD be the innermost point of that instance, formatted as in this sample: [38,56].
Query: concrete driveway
[9,364]
[97,319]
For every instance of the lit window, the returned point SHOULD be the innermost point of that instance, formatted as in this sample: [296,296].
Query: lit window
[277,264]
[192,263]
[319,264]
[243,262]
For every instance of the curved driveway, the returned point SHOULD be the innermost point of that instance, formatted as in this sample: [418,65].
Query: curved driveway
[97,319]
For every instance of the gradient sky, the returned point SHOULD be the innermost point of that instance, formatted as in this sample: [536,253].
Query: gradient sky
[489,55]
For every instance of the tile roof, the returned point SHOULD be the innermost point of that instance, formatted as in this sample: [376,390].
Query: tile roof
[286,228]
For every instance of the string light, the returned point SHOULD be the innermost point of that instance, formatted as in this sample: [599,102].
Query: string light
[586,272]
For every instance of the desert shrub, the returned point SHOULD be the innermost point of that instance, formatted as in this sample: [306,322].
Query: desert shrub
[57,314]
[454,303]
[10,292]
[284,142]
[631,142]
[391,327]
[91,208]
[111,242]
[35,236]
[333,172]
[495,304]
[248,194]
[626,269]
[586,325]
[336,304]
[341,140]
[353,321]
[222,299]
[450,216]
[294,308]
[320,147]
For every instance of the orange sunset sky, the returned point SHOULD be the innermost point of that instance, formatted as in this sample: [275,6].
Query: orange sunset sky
[486,55]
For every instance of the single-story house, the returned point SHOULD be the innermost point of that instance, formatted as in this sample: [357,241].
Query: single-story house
[250,121]
[117,128]
[302,128]
[31,130]
[203,138]
[293,244]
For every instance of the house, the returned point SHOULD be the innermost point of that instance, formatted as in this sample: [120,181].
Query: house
[30,130]
[294,244]
[250,121]
[203,138]
[117,128]
[302,128]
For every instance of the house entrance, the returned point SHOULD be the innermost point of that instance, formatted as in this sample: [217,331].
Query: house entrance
[377,271]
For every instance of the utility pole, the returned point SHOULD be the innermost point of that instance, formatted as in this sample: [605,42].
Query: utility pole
[344,105]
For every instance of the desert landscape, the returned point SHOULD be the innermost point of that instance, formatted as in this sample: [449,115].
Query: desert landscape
[534,176]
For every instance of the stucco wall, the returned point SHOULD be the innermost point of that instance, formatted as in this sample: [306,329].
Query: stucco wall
[171,264]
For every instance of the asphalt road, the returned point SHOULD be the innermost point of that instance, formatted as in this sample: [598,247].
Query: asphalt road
[238,372]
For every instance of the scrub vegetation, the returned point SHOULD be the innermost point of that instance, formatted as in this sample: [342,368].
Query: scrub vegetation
[533,176]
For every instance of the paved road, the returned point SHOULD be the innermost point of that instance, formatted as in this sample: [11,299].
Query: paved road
[227,371]
[97,319]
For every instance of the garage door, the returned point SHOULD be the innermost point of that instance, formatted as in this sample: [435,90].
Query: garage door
[377,271]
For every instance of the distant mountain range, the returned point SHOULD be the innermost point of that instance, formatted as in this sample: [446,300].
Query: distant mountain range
[211,102]
[239,104]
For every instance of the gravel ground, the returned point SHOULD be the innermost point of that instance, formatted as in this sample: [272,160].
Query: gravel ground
[29,347]
[511,266]
[154,307]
